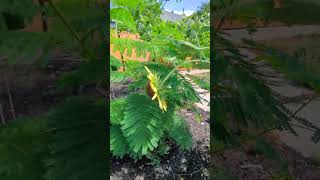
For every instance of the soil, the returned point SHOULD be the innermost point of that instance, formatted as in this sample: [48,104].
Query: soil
[178,164]
[33,89]
[120,89]
[246,166]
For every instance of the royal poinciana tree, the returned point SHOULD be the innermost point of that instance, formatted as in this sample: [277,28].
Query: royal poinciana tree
[141,130]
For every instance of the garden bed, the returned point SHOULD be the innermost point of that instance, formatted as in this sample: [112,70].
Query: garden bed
[177,163]
[34,90]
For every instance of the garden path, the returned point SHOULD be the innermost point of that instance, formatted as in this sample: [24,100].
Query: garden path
[268,33]
[293,94]
[204,94]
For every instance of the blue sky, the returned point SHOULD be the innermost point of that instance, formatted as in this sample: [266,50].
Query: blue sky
[189,6]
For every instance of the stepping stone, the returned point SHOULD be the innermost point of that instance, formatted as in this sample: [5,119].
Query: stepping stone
[204,107]
[199,90]
[311,112]
[203,93]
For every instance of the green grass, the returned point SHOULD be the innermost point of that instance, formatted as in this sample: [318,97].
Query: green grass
[200,65]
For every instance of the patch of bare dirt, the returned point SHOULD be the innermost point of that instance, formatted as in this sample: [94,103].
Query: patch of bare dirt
[200,130]
[246,166]
[33,90]
[120,89]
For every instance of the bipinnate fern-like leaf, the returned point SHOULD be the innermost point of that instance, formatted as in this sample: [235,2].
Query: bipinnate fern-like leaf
[266,148]
[22,47]
[22,149]
[123,17]
[124,45]
[86,73]
[316,136]
[142,123]
[219,127]
[114,62]
[190,46]
[180,88]
[118,143]
[128,3]
[255,100]
[24,8]
[289,65]
[180,133]
[241,97]
[77,140]
[117,108]
[26,47]
[95,14]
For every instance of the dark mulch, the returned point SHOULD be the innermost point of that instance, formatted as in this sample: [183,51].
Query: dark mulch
[188,164]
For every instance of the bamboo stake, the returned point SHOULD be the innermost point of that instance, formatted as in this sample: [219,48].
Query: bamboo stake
[10,96]
[43,16]
[122,59]
[1,114]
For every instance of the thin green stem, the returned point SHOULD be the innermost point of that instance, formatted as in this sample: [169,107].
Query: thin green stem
[64,21]
[122,59]
[134,73]
[70,28]
[302,106]
[90,31]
